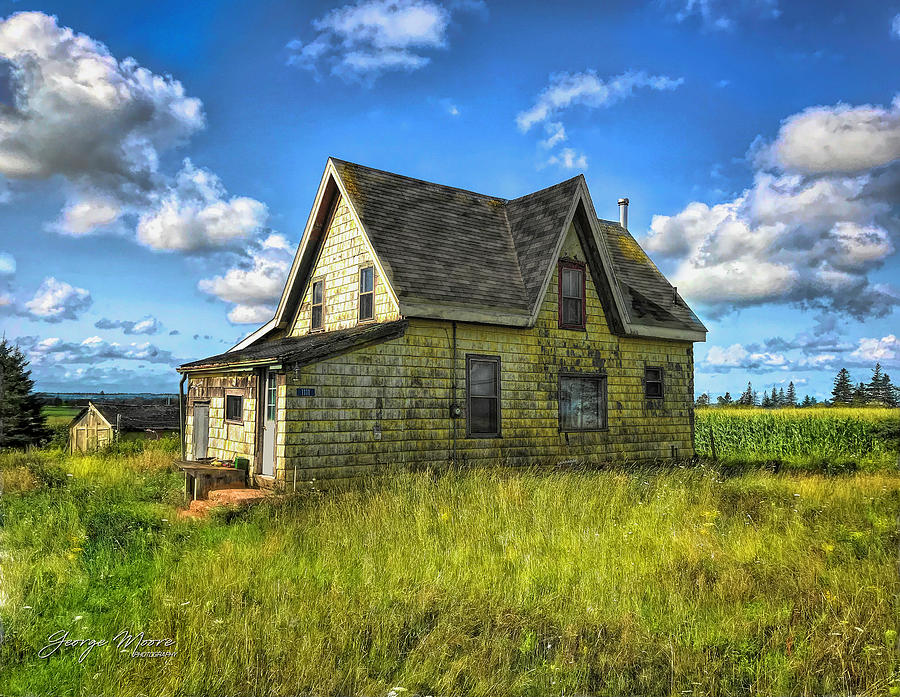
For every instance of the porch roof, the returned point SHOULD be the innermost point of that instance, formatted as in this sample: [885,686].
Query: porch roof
[300,350]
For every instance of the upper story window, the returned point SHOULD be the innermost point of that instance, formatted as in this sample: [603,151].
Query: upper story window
[571,295]
[317,305]
[653,383]
[367,293]
[483,396]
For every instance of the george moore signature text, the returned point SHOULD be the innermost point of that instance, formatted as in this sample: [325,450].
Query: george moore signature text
[136,645]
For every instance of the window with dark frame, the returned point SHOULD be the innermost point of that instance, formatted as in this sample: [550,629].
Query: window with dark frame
[582,403]
[234,407]
[317,305]
[483,396]
[367,293]
[653,383]
[571,295]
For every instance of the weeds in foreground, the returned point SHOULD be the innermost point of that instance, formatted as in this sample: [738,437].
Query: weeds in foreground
[500,583]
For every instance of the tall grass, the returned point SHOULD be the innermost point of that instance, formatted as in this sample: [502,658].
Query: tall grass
[653,582]
[817,438]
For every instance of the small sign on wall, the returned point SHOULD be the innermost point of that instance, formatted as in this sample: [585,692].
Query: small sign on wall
[306,391]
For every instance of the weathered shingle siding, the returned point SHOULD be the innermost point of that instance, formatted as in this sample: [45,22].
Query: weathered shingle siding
[227,440]
[402,389]
[344,252]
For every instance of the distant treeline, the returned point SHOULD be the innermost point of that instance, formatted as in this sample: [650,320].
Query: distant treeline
[879,391]
[78,399]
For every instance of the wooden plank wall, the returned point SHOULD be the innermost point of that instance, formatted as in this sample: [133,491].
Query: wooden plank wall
[343,253]
[388,404]
[227,440]
[90,432]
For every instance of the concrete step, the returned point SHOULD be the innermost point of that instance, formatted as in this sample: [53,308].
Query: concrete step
[231,496]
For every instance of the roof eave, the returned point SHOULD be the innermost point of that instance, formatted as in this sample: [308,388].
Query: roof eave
[645,331]
[483,315]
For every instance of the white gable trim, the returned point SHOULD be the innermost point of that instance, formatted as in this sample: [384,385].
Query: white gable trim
[253,336]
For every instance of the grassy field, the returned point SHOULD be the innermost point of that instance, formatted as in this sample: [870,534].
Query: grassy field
[818,439]
[59,416]
[676,581]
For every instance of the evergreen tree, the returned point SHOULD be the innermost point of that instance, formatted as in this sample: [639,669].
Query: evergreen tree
[767,400]
[725,400]
[21,421]
[875,388]
[754,399]
[773,400]
[890,393]
[860,395]
[782,400]
[746,398]
[807,402]
[843,389]
[702,400]
[791,395]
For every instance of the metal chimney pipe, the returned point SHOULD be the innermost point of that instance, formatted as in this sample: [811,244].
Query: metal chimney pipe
[623,212]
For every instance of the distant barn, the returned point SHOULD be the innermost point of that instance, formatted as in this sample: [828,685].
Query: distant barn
[98,425]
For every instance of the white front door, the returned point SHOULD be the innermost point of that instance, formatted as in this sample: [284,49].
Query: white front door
[270,414]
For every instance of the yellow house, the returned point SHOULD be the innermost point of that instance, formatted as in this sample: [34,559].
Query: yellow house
[423,324]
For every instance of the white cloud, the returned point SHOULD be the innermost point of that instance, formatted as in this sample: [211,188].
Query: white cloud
[56,300]
[587,89]
[810,239]
[836,139]
[722,15]
[817,361]
[251,314]
[365,39]
[79,112]
[895,26]
[85,215]
[102,124]
[93,350]
[556,133]
[7,264]
[195,215]
[569,158]
[737,356]
[887,348]
[255,286]
[146,325]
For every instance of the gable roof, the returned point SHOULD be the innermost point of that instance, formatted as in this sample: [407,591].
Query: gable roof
[652,300]
[136,417]
[448,253]
[442,245]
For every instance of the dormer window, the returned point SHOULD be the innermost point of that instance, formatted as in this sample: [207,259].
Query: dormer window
[571,295]
[317,305]
[366,293]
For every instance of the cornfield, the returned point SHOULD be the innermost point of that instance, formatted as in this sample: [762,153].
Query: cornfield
[798,435]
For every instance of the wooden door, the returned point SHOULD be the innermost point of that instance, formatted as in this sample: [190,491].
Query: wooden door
[201,430]
[270,414]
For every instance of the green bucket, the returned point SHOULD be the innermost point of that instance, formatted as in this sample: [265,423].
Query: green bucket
[241,463]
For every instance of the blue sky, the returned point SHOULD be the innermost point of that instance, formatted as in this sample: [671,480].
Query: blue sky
[158,162]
